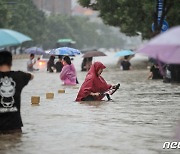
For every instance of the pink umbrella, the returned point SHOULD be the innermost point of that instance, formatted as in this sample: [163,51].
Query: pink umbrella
[165,47]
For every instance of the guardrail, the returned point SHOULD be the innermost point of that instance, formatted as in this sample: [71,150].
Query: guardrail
[21,56]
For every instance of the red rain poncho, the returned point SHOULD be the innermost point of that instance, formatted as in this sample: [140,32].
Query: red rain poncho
[93,83]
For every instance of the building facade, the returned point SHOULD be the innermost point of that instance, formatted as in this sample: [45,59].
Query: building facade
[54,6]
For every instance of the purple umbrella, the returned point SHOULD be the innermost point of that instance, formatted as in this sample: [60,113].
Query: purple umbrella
[165,47]
[35,50]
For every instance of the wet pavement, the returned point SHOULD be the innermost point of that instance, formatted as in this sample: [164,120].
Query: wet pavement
[142,116]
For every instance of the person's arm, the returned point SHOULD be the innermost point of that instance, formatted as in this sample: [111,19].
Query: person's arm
[88,85]
[26,77]
[94,94]
[53,68]
[32,77]
[33,62]
[108,86]
[150,75]
[63,73]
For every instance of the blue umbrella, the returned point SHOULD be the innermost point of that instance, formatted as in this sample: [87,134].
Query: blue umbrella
[35,50]
[10,38]
[74,51]
[65,51]
[124,53]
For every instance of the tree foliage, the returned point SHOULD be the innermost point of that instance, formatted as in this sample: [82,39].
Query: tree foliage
[134,16]
[4,13]
[24,16]
[85,33]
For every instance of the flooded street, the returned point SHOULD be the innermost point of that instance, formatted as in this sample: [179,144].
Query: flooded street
[142,116]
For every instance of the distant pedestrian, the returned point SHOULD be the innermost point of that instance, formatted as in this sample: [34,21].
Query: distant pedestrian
[59,64]
[94,84]
[167,75]
[50,64]
[11,85]
[175,72]
[31,62]
[155,72]
[125,64]
[86,64]
[68,73]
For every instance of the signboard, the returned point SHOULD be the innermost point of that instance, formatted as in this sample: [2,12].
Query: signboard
[160,10]
[164,27]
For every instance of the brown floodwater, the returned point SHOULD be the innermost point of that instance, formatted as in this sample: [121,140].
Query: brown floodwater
[142,116]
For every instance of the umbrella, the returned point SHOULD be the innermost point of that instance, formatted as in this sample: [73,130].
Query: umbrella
[65,51]
[35,50]
[74,51]
[94,54]
[165,47]
[124,53]
[10,38]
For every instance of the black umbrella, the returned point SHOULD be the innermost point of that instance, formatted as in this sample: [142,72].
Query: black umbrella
[94,54]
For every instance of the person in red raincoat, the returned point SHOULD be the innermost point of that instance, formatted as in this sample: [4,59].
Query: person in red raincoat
[94,85]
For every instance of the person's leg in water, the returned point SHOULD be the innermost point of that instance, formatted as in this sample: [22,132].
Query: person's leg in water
[77,82]
[88,98]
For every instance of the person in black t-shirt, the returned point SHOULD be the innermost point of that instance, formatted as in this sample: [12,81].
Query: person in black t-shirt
[155,72]
[59,64]
[11,85]
[50,64]
[125,64]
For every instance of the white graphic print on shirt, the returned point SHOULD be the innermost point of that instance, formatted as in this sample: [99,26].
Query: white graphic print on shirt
[7,91]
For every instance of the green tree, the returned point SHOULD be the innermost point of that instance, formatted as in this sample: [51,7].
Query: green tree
[134,16]
[4,14]
[23,16]
[80,29]
[56,27]
[27,19]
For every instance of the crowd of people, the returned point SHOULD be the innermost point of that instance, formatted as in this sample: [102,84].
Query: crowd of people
[93,88]
[12,83]
[169,73]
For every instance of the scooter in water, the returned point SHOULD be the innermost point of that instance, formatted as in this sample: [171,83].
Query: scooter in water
[111,92]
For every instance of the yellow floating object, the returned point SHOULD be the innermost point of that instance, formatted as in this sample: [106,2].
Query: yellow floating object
[49,95]
[75,87]
[61,91]
[35,100]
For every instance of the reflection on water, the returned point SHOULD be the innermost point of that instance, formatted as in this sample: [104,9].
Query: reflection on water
[9,142]
[141,117]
